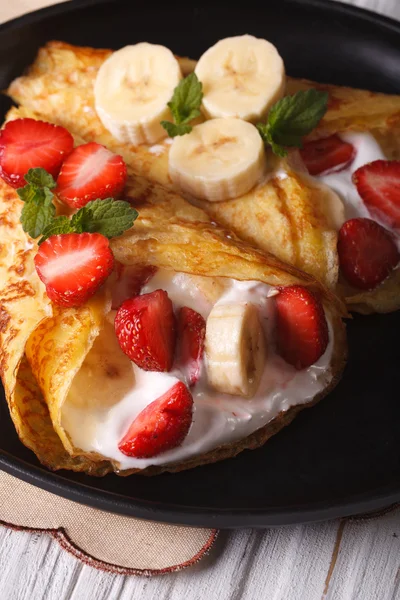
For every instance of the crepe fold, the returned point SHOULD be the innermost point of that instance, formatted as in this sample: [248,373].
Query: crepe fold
[24,306]
[283,216]
[287,216]
[44,347]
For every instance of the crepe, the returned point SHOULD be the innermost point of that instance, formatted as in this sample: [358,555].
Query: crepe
[43,347]
[24,305]
[283,215]
[287,216]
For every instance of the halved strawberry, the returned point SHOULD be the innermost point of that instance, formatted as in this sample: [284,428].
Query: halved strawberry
[146,331]
[26,144]
[90,172]
[73,266]
[378,184]
[367,253]
[301,327]
[161,426]
[130,280]
[327,154]
[191,335]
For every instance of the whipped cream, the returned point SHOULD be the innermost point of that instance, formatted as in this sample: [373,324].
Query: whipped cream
[97,414]
[367,150]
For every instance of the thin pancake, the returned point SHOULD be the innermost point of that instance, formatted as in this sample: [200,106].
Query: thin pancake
[169,233]
[59,87]
[284,215]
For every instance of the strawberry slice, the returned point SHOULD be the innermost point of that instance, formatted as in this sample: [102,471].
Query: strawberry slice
[161,426]
[191,335]
[301,327]
[90,172]
[145,328]
[130,280]
[327,154]
[26,144]
[378,184]
[73,266]
[367,253]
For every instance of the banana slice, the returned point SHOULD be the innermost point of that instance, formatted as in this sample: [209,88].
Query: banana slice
[235,349]
[208,288]
[132,89]
[242,77]
[218,160]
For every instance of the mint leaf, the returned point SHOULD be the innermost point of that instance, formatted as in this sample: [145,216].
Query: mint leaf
[292,118]
[264,131]
[38,210]
[186,100]
[40,178]
[184,105]
[56,226]
[174,130]
[78,221]
[108,217]
[35,217]
[29,193]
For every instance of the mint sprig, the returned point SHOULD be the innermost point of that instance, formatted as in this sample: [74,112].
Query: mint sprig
[109,217]
[40,178]
[292,118]
[184,106]
[38,210]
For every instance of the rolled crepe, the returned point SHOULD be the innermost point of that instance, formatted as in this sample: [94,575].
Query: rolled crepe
[49,351]
[288,216]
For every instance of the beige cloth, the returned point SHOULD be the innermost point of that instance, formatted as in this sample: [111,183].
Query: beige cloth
[103,540]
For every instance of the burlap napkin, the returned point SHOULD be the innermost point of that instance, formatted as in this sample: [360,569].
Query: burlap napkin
[103,540]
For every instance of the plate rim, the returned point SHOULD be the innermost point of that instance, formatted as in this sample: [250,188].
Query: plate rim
[334,6]
[230,518]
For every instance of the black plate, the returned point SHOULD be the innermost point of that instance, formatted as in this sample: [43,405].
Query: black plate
[343,456]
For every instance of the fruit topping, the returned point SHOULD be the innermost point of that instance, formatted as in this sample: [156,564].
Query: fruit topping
[235,348]
[26,144]
[161,426]
[90,172]
[301,327]
[367,253]
[146,331]
[73,266]
[378,184]
[329,154]
[191,334]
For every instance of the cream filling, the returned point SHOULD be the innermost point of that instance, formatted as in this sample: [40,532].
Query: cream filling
[110,391]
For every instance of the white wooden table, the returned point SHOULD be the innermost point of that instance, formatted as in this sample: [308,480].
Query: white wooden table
[350,560]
